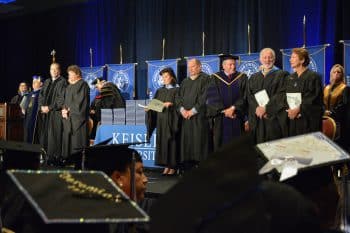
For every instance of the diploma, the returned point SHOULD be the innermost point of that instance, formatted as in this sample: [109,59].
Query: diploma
[262,98]
[155,105]
[293,100]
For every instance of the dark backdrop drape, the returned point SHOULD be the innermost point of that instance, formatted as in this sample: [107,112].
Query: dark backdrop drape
[140,25]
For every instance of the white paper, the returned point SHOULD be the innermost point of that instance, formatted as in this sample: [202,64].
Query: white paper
[154,104]
[293,100]
[262,98]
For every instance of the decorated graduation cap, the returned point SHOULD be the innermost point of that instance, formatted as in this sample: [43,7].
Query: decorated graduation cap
[20,155]
[65,201]
[308,163]
[221,194]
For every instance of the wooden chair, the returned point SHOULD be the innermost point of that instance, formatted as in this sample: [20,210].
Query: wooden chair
[329,127]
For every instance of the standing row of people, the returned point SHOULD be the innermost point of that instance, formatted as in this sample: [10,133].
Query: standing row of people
[206,112]
[56,114]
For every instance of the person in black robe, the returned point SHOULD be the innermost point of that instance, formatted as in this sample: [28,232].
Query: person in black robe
[226,102]
[22,90]
[333,102]
[109,97]
[29,105]
[304,117]
[75,113]
[51,99]
[190,102]
[167,124]
[263,118]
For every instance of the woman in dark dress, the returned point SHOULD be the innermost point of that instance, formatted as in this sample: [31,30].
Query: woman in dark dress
[305,114]
[167,124]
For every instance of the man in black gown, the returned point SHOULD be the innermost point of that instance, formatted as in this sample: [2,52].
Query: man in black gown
[75,113]
[226,102]
[191,104]
[50,104]
[263,119]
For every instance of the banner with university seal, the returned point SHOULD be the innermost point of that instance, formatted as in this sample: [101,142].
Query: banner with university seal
[154,80]
[210,63]
[317,59]
[89,74]
[346,61]
[248,63]
[123,76]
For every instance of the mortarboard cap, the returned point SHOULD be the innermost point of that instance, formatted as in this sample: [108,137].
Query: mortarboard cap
[224,57]
[308,163]
[20,155]
[301,153]
[106,158]
[97,80]
[64,201]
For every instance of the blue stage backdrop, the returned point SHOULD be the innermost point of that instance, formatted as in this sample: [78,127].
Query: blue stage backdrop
[123,75]
[317,60]
[154,80]
[210,63]
[90,74]
[248,63]
[347,60]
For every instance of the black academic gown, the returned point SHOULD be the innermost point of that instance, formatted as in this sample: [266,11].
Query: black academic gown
[269,128]
[17,98]
[167,124]
[52,95]
[311,109]
[75,128]
[31,125]
[194,131]
[222,93]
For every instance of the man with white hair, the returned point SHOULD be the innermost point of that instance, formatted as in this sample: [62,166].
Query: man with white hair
[262,91]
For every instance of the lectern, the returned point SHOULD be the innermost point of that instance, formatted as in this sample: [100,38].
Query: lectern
[11,122]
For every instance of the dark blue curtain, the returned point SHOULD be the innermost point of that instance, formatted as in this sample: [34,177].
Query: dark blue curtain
[140,25]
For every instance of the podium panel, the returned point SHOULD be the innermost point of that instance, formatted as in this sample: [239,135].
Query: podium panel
[11,122]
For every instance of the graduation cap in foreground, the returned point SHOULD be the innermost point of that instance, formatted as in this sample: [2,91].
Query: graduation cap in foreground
[75,198]
[308,163]
[20,155]
[301,153]
[103,157]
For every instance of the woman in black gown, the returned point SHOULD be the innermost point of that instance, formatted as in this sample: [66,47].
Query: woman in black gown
[305,115]
[167,124]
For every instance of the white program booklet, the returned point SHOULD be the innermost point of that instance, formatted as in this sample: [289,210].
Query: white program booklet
[262,98]
[293,100]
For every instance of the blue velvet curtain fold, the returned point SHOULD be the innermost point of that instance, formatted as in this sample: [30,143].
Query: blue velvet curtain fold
[140,25]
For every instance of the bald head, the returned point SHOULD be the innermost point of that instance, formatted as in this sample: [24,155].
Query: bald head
[194,67]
